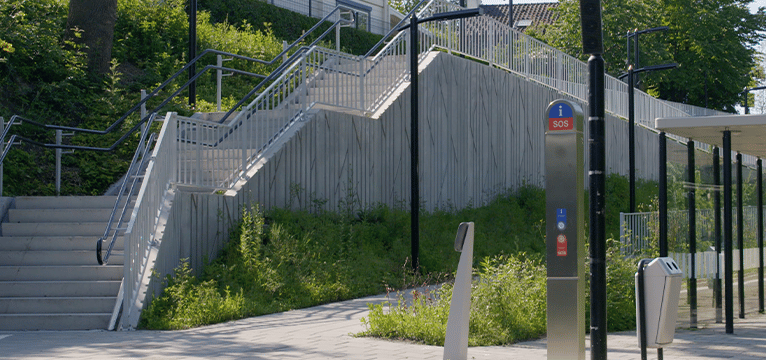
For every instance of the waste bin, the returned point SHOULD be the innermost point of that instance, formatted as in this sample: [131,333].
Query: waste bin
[662,288]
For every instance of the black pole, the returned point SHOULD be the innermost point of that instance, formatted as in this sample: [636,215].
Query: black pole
[414,180]
[510,13]
[631,140]
[740,239]
[663,196]
[642,306]
[747,108]
[192,51]
[717,215]
[692,179]
[760,234]
[727,232]
[635,58]
[592,43]
[597,206]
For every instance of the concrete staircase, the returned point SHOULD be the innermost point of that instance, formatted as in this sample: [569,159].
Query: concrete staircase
[49,276]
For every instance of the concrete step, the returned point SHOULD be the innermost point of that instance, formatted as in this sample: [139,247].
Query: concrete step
[65,202]
[55,257]
[54,229]
[57,305]
[20,322]
[30,243]
[62,215]
[60,273]
[59,288]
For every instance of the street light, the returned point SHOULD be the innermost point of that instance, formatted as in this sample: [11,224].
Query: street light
[634,35]
[414,148]
[747,92]
[632,124]
[192,51]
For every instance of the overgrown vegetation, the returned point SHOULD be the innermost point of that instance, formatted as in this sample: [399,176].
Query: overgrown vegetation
[508,303]
[279,259]
[263,16]
[43,77]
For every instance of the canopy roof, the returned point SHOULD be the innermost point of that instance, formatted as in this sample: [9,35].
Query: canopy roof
[748,132]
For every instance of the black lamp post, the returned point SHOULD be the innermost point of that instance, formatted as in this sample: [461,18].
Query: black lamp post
[414,148]
[632,124]
[634,35]
[192,50]
[747,92]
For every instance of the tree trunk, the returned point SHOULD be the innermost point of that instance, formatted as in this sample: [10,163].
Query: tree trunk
[95,20]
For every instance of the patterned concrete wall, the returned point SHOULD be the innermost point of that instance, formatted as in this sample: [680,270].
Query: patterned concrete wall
[481,132]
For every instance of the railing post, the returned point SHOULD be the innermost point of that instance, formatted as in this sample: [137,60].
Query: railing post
[305,81]
[337,35]
[491,44]
[361,83]
[219,78]
[284,47]
[143,109]
[198,144]
[622,231]
[59,133]
[527,58]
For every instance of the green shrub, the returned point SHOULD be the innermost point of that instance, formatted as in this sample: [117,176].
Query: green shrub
[38,70]
[262,16]
[187,302]
[282,259]
[152,36]
[507,306]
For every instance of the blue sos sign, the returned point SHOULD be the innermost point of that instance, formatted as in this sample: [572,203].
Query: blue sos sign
[560,117]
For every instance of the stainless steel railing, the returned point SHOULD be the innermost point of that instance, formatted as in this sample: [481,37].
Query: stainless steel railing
[137,165]
[142,233]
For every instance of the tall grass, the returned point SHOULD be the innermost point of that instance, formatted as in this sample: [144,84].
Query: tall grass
[508,303]
[507,306]
[279,260]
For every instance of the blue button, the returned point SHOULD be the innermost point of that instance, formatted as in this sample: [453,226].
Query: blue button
[561,219]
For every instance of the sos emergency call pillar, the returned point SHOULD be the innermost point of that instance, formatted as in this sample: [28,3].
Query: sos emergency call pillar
[565,229]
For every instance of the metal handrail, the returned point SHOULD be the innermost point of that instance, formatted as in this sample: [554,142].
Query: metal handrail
[294,57]
[135,167]
[118,141]
[154,92]
[395,29]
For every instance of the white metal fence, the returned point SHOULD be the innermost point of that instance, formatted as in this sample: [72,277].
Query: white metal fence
[141,235]
[638,235]
[705,262]
[638,231]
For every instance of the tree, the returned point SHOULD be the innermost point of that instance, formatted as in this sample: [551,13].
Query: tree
[712,41]
[91,23]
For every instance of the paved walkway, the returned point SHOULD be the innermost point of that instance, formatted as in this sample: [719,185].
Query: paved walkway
[323,332]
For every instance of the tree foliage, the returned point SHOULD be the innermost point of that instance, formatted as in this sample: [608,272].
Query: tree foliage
[712,41]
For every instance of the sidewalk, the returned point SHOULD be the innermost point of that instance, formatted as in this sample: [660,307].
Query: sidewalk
[323,332]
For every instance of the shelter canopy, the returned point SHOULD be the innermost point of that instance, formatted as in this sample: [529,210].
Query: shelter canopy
[748,132]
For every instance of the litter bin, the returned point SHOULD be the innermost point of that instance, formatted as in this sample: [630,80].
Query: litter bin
[661,289]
